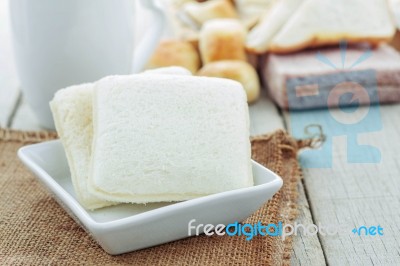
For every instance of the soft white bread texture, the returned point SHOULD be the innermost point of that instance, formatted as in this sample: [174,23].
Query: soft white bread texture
[237,70]
[395,10]
[169,138]
[260,37]
[172,70]
[322,22]
[222,39]
[72,113]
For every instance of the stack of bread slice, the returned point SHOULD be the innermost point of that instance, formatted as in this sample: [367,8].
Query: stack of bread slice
[292,25]
[163,135]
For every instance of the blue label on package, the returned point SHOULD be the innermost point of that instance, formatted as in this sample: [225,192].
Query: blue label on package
[345,104]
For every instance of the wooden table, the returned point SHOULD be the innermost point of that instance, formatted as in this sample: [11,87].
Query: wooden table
[349,195]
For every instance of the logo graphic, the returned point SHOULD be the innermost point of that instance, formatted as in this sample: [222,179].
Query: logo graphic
[280,229]
[344,103]
[259,229]
[368,231]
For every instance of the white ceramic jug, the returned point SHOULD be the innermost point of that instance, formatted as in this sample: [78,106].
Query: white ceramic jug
[59,43]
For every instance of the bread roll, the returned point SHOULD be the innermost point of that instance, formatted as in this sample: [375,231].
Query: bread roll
[237,70]
[169,138]
[202,12]
[222,39]
[175,53]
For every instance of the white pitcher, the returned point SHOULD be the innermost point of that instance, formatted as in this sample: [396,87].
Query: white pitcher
[59,43]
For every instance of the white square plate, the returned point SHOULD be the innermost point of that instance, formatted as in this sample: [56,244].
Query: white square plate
[127,227]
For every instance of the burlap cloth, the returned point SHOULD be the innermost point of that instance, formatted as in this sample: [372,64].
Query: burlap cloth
[34,229]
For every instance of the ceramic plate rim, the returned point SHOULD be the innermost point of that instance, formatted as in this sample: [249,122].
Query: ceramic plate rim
[80,212]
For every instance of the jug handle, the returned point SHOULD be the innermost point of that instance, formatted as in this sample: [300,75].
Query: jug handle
[149,42]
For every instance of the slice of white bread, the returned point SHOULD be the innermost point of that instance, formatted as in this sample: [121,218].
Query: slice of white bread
[72,113]
[324,22]
[395,9]
[260,37]
[169,138]
[171,70]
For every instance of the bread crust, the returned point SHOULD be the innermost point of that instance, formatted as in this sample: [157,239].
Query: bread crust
[316,41]
[319,38]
